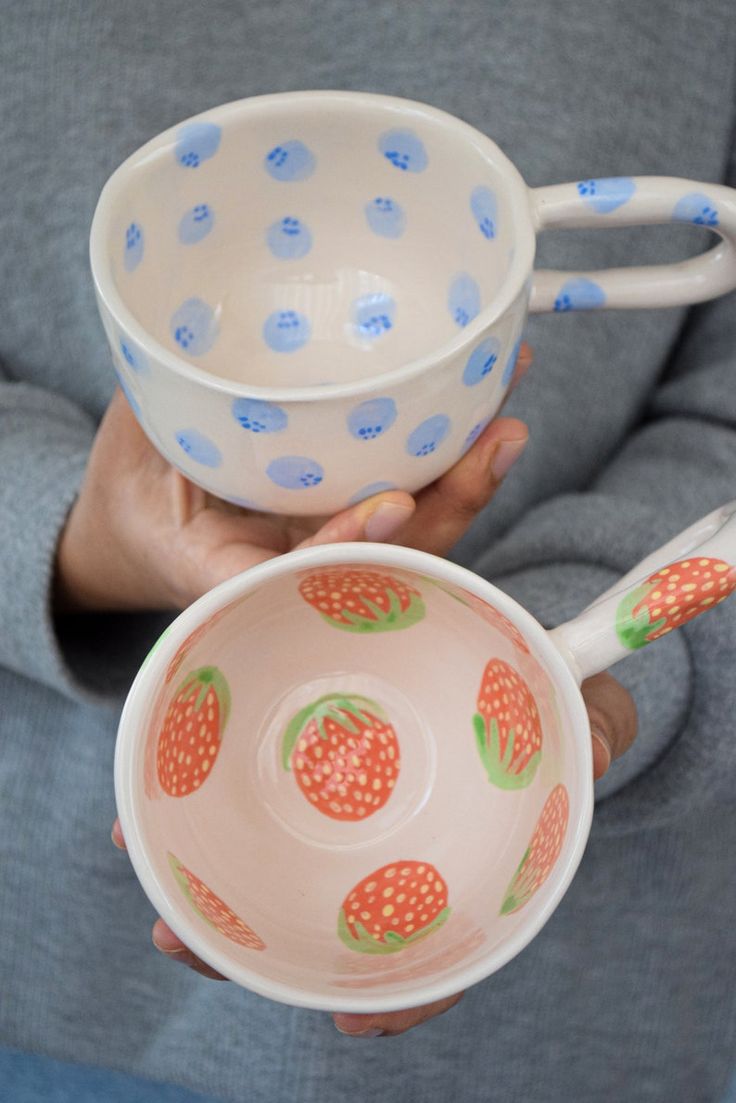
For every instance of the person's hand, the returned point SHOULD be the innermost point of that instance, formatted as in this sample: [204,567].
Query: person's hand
[141,536]
[612,715]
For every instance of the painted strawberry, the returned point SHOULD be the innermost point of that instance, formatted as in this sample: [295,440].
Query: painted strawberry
[672,596]
[542,852]
[364,601]
[212,909]
[344,754]
[393,907]
[192,731]
[508,729]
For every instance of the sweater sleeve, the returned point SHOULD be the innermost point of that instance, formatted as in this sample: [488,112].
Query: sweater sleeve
[44,445]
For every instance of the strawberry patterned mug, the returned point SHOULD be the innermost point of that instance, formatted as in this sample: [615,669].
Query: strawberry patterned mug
[359,777]
[314,296]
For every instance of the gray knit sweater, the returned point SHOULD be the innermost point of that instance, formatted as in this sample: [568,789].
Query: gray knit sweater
[628,993]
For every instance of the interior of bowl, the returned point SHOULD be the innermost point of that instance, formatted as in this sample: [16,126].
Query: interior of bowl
[351,782]
[312,241]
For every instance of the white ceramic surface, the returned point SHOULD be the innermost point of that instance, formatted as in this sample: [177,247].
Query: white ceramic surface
[359,777]
[314,296]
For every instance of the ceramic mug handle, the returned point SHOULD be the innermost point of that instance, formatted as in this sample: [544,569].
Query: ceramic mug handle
[636,201]
[686,577]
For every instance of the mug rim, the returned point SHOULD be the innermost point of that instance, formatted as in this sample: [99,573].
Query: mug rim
[129,790]
[519,271]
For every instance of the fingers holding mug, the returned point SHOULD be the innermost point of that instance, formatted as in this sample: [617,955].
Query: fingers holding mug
[613,719]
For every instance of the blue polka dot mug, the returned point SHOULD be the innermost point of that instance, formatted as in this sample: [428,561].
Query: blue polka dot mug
[314,296]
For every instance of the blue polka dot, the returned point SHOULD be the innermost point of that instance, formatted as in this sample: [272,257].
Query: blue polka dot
[286,331]
[463,299]
[385,217]
[473,435]
[289,238]
[196,224]
[134,246]
[197,142]
[481,361]
[428,436]
[199,447]
[133,356]
[371,419]
[484,208]
[580,294]
[404,150]
[608,193]
[295,472]
[132,400]
[369,491]
[290,161]
[697,208]
[508,371]
[194,327]
[373,315]
[259,417]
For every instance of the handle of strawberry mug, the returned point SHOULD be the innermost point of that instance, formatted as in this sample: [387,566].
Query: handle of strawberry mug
[684,578]
[636,201]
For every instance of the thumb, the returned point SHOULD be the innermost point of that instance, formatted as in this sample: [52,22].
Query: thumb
[613,719]
[377,519]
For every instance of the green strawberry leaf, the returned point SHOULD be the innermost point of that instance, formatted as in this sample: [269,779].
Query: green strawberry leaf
[339,707]
[438,920]
[375,709]
[508,753]
[202,680]
[364,944]
[294,729]
[511,904]
[498,767]
[511,901]
[633,630]
[222,691]
[340,715]
[479,727]
[391,941]
[497,776]
[382,620]
[183,881]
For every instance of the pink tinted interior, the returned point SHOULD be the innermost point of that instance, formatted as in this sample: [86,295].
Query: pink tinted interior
[282,865]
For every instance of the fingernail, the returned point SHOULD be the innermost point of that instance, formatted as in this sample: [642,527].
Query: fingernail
[386,520]
[372,1032]
[601,752]
[505,456]
[171,950]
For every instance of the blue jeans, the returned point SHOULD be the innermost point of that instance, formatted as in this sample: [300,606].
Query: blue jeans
[27,1078]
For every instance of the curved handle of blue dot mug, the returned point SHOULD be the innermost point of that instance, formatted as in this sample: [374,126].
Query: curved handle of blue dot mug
[636,201]
[687,576]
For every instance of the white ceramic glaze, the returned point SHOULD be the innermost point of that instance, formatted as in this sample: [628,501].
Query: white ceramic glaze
[313,296]
[687,576]
[441,657]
